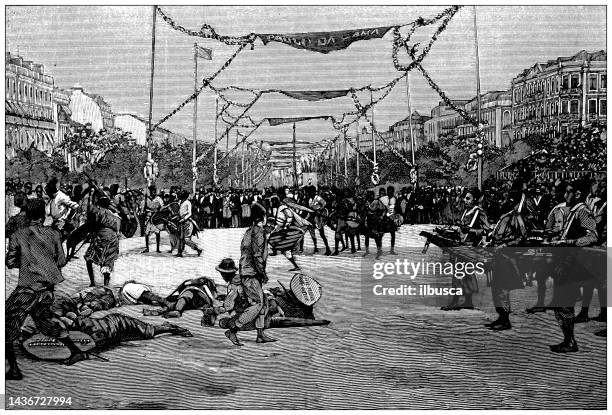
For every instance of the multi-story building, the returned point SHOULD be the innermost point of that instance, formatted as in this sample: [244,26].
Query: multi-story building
[63,122]
[496,117]
[61,113]
[108,118]
[495,112]
[443,120]
[137,126]
[28,106]
[401,131]
[85,110]
[561,94]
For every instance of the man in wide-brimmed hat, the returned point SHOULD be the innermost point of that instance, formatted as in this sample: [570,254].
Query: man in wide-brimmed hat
[253,255]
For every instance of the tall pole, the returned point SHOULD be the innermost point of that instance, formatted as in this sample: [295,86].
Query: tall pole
[295,179]
[345,157]
[150,131]
[478,114]
[358,149]
[251,163]
[235,157]
[331,168]
[412,143]
[226,152]
[195,114]
[242,167]
[373,137]
[215,176]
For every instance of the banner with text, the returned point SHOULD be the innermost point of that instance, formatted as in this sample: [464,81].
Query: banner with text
[326,42]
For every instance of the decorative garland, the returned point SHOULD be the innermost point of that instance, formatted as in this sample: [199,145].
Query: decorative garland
[227,130]
[244,138]
[447,15]
[208,32]
[205,82]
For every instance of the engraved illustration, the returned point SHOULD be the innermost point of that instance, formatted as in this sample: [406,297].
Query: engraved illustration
[305,207]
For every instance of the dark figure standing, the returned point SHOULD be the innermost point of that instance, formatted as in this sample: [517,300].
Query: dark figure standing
[578,231]
[104,247]
[38,253]
[253,255]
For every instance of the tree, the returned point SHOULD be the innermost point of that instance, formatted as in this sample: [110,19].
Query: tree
[35,166]
[89,146]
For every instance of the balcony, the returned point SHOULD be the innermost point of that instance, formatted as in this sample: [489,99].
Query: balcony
[29,73]
[570,91]
[596,117]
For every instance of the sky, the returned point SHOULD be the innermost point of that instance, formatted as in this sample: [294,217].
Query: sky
[107,50]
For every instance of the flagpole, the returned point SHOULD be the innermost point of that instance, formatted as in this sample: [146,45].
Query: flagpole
[227,151]
[215,176]
[195,114]
[358,149]
[345,158]
[295,180]
[331,168]
[412,143]
[338,161]
[242,167]
[478,114]
[149,130]
[236,158]
[373,137]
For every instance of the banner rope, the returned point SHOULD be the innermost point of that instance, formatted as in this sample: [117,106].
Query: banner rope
[244,138]
[227,130]
[208,32]
[205,82]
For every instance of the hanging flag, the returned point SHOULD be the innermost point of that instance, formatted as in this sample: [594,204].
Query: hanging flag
[326,42]
[316,95]
[203,53]
[278,121]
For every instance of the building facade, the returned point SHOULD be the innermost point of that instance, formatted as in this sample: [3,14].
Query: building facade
[108,118]
[443,121]
[496,117]
[400,131]
[61,113]
[137,126]
[89,109]
[560,95]
[28,106]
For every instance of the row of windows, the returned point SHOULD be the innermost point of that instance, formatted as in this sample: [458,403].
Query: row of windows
[556,83]
[545,129]
[37,112]
[572,106]
[24,92]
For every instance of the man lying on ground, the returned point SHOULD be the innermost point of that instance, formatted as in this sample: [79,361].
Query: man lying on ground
[191,294]
[113,329]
